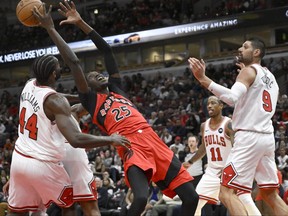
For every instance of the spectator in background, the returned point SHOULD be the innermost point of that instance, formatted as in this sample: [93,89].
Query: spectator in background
[283,160]
[154,199]
[2,127]
[11,128]
[166,136]
[193,124]
[184,117]
[102,195]
[2,134]
[106,175]
[282,103]
[172,94]
[99,166]
[8,146]
[107,158]
[166,206]
[108,183]
[280,130]
[153,118]
[177,145]
[196,169]
[129,197]
[161,120]
[284,115]
[177,129]
[121,185]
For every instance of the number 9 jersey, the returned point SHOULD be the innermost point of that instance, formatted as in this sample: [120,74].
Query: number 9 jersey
[254,110]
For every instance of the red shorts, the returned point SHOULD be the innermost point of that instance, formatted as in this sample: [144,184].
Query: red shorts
[149,152]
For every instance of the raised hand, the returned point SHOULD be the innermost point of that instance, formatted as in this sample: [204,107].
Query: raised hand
[240,65]
[69,11]
[44,18]
[197,67]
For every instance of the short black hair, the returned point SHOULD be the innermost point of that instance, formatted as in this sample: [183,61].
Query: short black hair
[218,100]
[258,44]
[43,66]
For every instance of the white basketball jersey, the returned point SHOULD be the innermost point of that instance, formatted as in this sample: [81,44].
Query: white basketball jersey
[38,136]
[254,110]
[217,144]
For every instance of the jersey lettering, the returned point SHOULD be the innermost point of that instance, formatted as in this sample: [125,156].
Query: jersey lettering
[30,124]
[267,104]
[121,113]
[214,139]
[216,154]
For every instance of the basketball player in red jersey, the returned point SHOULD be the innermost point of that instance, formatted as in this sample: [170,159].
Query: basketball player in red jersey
[149,159]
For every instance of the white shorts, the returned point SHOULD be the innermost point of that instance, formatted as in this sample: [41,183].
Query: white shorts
[208,188]
[33,182]
[252,156]
[76,164]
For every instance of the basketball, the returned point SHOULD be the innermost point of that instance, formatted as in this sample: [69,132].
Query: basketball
[24,12]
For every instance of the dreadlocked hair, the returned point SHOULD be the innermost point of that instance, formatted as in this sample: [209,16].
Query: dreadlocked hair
[43,67]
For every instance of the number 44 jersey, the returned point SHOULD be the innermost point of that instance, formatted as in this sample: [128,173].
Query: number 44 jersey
[38,137]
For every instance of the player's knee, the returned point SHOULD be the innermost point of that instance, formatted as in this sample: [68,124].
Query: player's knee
[193,199]
[268,194]
[224,194]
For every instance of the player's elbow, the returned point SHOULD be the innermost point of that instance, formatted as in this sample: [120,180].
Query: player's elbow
[229,99]
[75,143]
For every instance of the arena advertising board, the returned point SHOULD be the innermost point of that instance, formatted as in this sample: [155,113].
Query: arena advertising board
[266,17]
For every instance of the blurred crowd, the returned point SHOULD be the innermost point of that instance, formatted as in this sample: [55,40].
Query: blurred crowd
[113,19]
[174,106]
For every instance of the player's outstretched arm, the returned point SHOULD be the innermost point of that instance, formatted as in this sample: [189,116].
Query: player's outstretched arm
[58,109]
[199,154]
[66,52]
[69,11]
[229,96]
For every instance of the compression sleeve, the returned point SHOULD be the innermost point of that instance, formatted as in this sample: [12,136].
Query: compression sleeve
[105,49]
[229,96]
[88,101]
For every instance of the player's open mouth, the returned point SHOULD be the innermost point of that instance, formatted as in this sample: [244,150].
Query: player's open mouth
[210,111]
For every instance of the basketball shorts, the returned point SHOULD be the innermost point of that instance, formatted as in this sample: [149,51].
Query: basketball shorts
[252,156]
[149,152]
[76,164]
[208,188]
[33,182]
